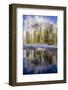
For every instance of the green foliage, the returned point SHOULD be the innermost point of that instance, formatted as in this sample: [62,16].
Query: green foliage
[46,36]
[27,37]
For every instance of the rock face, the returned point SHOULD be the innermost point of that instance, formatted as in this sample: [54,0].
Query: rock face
[41,32]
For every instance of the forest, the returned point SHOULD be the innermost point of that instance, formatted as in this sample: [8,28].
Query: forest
[46,36]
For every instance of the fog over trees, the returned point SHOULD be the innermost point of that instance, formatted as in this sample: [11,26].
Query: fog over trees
[40,33]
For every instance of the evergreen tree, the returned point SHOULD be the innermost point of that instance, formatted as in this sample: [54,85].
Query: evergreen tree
[46,35]
[50,38]
[27,37]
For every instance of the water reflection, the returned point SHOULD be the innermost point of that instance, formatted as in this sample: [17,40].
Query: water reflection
[39,61]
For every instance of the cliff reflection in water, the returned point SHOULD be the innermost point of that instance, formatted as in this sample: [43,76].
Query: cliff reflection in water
[39,61]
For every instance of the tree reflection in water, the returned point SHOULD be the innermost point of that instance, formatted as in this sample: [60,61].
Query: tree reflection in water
[39,61]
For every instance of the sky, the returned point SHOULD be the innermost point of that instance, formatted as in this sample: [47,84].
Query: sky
[37,19]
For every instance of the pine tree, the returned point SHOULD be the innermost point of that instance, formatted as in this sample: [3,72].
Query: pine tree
[46,35]
[27,37]
[50,38]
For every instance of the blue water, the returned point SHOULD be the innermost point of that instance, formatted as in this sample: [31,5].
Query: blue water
[33,46]
[38,70]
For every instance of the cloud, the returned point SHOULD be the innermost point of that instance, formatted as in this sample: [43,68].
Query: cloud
[38,19]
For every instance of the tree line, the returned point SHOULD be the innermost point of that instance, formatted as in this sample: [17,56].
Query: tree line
[46,36]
